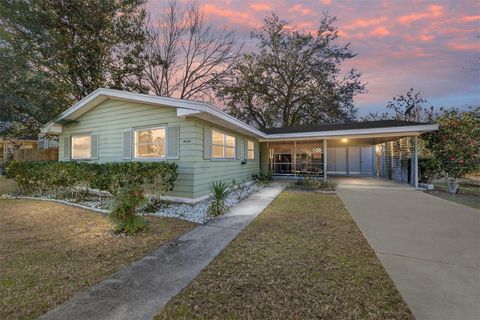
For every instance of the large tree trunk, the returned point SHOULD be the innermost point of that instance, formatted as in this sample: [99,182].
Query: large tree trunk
[452,185]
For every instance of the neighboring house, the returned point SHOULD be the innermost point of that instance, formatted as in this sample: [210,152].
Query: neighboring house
[210,145]
[8,145]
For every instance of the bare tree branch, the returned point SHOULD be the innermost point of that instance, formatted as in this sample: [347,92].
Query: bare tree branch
[186,56]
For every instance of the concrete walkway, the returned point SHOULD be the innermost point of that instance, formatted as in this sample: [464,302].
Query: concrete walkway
[429,246]
[142,289]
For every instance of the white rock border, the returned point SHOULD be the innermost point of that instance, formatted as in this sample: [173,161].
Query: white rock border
[197,213]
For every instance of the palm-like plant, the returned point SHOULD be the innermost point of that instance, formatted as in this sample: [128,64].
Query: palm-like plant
[219,192]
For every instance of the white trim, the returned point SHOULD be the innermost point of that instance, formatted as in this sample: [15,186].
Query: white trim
[335,134]
[182,112]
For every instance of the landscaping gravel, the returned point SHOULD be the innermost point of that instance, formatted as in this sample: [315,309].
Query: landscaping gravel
[199,212]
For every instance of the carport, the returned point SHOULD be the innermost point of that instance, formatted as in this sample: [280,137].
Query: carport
[387,149]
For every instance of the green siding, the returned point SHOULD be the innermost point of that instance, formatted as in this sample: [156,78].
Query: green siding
[112,117]
[264,157]
[209,170]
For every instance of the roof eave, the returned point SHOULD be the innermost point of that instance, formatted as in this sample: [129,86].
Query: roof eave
[352,133]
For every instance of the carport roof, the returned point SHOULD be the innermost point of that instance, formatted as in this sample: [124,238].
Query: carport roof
[344,126]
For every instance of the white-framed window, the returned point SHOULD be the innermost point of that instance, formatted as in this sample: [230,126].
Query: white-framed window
[81,147]
[149,143]
[250,150]
[223,145]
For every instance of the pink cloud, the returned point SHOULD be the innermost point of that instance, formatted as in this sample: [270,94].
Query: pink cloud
[298,8]
[260,7]
[462,46]
[231,15]
[420,37]
[363,23]
[433,11]
[380,32]
[326,2]
[470,18]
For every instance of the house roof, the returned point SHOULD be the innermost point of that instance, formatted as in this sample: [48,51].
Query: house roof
[207,112]
[343,126]
[185,108]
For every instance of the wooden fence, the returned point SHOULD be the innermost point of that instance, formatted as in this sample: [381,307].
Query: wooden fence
[35,154]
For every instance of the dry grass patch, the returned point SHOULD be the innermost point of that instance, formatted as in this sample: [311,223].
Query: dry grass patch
[468,193]
[302,258]
[49,252]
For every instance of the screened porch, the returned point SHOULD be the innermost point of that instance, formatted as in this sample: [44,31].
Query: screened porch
[290,158]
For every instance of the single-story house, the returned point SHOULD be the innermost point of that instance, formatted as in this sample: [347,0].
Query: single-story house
[210,145]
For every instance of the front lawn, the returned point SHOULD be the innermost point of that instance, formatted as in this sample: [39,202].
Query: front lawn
[468,193]
[49,252]
[302,258]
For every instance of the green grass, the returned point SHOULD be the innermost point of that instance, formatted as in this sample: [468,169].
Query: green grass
[468,193]
[49,252]
[302,258]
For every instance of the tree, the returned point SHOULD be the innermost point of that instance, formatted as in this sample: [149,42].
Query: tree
[293,78]
[68,49]
[408,107]
[28,98]
[456,144]
[186,57]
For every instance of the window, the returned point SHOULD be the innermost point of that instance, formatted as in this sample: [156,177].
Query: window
[81,147]
[250,150]
[223,145]
[150,143]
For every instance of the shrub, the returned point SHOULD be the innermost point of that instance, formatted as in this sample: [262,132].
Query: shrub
[124,213]
[38,177]
[219,192]
[312,184]
[456,144]
[127,181]
[428,169]
[262,178]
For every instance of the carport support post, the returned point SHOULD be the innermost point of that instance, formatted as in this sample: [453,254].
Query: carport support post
[416,161]
[324,160]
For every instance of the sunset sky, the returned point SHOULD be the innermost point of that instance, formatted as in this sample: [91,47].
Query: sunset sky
[433,47]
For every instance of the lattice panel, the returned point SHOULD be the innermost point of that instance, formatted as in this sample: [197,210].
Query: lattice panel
[282,147]
[311,148]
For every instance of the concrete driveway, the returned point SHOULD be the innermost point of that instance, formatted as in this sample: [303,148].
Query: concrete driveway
[429,246]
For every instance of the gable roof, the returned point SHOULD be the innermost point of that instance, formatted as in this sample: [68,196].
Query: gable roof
[207,112]
[184,108]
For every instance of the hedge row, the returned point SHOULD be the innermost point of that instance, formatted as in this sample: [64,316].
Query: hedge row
[48,176]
